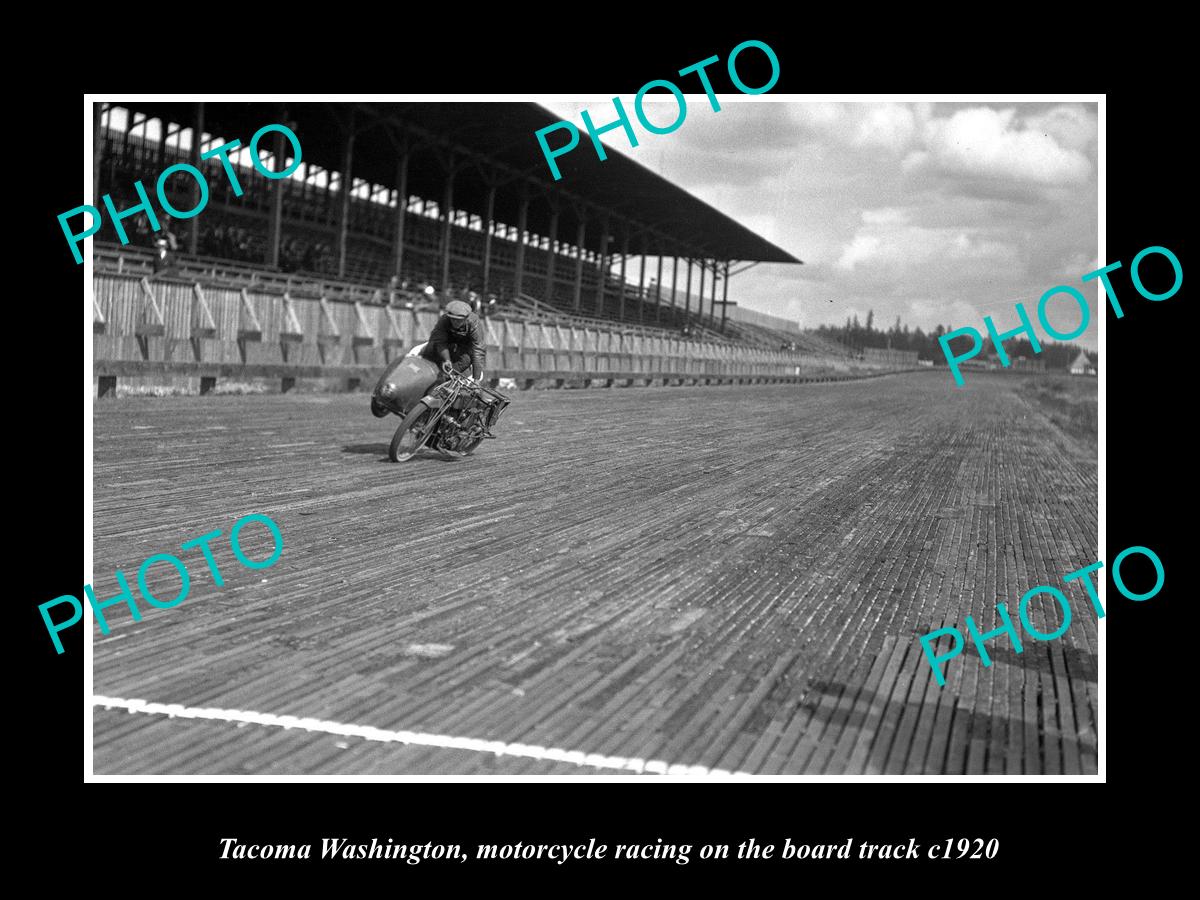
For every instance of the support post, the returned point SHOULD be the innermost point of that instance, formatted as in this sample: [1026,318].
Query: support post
[624,257]
[487,236]
[162,142]
[687,294]
[98,153]
[580,234]
[401,210]
[725,297]
[447,222]
[601,268]
[275,229]
[642,284]
[658,290]
[522,223]
[553,258]
[713,305]
[197,140]
[347,184]
[674,278]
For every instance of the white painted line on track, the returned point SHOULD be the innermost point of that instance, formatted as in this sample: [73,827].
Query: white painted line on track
[443,741]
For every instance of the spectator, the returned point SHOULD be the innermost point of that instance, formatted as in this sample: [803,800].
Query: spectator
[142,236]
[165,245]
[289,256]
[211,245]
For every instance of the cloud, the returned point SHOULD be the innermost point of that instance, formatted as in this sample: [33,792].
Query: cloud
[991,143]
[901,247]
[888,215]
[1072,126]
[890,127]
[863,248]
[824,118]
[935,212]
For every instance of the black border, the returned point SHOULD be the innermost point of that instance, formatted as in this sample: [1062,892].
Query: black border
[175,827]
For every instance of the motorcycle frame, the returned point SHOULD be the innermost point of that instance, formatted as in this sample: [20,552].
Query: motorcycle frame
[440,399]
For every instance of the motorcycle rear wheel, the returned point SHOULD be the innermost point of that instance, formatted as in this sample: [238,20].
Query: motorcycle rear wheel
[406,442]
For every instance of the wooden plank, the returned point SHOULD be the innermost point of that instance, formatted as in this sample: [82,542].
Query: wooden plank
[202,324]
[151,325]
[363,336]
[290,331]
[248,327]
[1052,746]
[1031,724]
[328,331]
[98,323]
[850,752]
[962,727]
[1069,730]
[395,336]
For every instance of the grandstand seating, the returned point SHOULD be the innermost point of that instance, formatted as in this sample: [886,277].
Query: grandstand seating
[801,341]
[233,240]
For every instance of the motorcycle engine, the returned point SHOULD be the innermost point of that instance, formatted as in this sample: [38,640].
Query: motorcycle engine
[463,424]
[467,431]
[453,433]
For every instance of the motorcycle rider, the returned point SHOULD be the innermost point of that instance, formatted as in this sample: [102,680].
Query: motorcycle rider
[457,341]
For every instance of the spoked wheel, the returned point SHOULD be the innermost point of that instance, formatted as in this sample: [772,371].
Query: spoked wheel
[409,437]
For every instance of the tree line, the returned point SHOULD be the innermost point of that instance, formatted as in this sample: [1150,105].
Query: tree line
[857,336]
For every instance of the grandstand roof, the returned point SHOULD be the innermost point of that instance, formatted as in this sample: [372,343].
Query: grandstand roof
[495,141]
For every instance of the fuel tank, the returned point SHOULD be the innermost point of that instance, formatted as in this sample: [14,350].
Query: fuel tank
[405,381]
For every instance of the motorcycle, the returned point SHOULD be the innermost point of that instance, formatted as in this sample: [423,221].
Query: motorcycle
[452,416]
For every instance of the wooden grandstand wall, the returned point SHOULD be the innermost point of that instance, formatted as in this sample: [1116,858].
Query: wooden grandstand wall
[175,328]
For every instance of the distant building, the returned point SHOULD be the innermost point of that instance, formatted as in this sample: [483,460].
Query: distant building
[1029,364]
[1082,365]
[890,357]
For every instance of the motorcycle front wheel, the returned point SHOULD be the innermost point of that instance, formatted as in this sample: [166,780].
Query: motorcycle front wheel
[407,441]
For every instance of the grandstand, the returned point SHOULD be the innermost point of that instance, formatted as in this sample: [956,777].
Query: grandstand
[406,205]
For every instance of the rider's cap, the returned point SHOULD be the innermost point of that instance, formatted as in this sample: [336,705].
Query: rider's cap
[457,309]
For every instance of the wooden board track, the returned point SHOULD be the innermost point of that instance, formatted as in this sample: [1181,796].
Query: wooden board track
[731,577]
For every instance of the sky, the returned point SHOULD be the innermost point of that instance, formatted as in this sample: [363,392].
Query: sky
[938,213]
